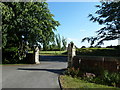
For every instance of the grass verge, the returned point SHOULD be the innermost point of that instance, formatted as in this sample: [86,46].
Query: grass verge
[69,82]
[53,53]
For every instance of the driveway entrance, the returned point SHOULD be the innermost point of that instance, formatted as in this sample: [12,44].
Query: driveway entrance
[44,75]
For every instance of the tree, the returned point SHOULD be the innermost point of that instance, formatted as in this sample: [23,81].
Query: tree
[58,41]
[83,47]
[64,42]
[49,38]
[109,16]
[25,24]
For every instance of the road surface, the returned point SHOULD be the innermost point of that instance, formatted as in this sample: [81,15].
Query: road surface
[44,75]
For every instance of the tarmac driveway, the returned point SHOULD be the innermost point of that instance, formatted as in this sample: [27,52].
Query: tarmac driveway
[44,75]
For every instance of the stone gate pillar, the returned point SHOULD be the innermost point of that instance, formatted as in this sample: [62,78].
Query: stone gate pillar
[119,39]
[37,56]
[71,53]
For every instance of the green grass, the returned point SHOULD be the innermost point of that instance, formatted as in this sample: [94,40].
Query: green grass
[69,82]
[51,52]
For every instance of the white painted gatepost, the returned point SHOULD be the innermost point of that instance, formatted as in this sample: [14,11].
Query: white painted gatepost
[33,58]
[36,56]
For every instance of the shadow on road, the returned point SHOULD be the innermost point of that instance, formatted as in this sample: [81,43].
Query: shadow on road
[56,71]
[53,58]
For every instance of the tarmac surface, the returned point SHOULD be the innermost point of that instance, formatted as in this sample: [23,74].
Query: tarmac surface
[44,75]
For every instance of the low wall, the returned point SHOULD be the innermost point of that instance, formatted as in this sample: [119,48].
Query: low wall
[108,63]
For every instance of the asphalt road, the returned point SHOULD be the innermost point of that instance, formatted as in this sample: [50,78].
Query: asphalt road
[44,75]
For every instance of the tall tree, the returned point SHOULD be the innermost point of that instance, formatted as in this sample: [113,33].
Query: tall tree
[64,42]
[58,41]
[25,24]
[109,16]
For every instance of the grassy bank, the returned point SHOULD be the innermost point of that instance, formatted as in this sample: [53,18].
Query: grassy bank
[69,82]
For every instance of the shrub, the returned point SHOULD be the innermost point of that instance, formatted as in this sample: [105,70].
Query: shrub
[88,76]
[83,47]
[111,78]
[98,51]
[73,72]
[106,78]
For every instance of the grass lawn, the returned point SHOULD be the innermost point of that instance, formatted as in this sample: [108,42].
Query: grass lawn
[51,53]
[69,82]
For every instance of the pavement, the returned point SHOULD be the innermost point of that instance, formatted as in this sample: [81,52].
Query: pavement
[44,75]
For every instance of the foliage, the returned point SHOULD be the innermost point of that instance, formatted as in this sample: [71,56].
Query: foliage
[112,79]
[25,25]
[53,47]
[83,47]
[109,16]
[72,72]
[99,51]
[83,72]
[58,44]
[107,78]
[103,77]
[58,41]
[64,42]
[88,77]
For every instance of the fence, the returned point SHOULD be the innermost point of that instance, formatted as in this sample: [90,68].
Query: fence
[108,63]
